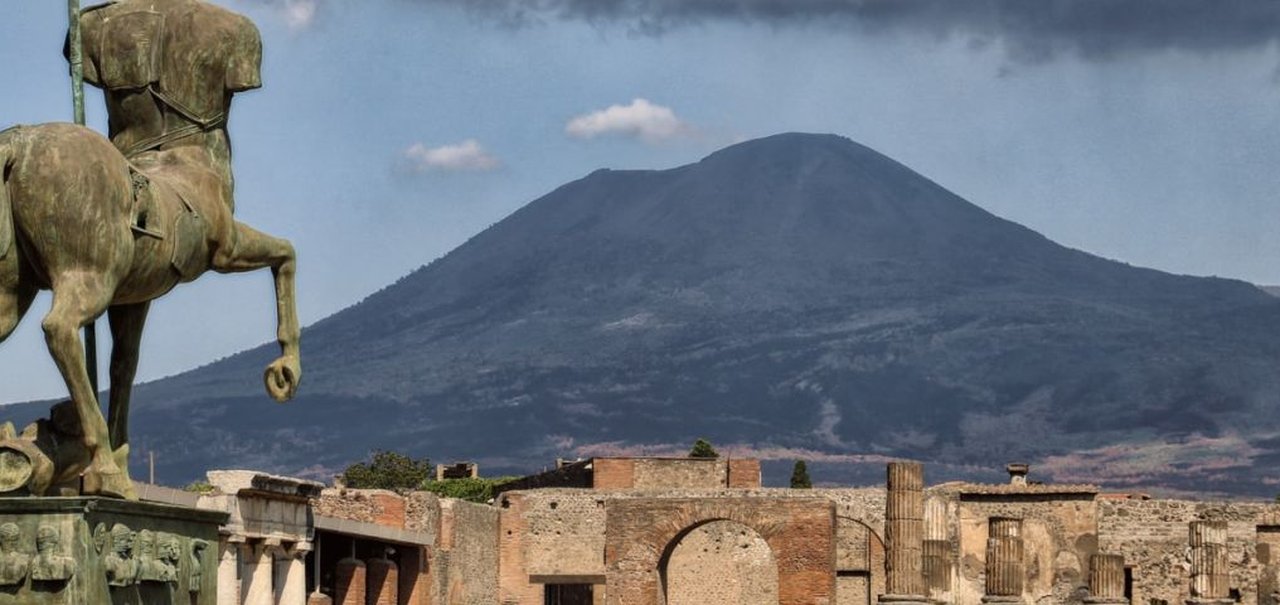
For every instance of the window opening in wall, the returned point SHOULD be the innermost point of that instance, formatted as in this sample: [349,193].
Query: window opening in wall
[1128,584]
[567,594]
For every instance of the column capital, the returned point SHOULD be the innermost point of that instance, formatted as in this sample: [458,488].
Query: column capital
[299,549]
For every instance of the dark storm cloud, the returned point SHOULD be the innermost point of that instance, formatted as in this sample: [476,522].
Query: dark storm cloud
[1030,30]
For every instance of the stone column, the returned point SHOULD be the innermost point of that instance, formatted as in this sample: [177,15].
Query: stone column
[1004,561]
[256,572]
[936,560]
[229,570]
[904,534]
[383,583]
[349,582]
[1210,571]
[1106,580]
[291,575]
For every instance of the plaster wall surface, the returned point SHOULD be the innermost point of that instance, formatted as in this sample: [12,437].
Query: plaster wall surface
[1059,534]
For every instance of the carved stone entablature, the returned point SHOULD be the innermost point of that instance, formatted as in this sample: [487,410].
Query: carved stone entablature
[262,506]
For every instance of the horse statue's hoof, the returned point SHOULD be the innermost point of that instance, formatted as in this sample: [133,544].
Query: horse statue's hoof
[282,378]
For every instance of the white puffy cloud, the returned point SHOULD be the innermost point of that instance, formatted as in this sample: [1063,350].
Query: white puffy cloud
[642,119]
[468,155]
[299,14]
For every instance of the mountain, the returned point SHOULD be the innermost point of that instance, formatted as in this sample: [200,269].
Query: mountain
[1272,290]
[793,296]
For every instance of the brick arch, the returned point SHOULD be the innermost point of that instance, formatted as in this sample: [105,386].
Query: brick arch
[799,531]
[750,582]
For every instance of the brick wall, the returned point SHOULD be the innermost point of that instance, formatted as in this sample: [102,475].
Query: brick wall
[744,473]
[799,533]
[613,473]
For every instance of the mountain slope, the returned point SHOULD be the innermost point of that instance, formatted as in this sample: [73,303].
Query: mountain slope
[798,292]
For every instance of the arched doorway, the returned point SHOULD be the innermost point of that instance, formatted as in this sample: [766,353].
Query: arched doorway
[719,563]
[860,571]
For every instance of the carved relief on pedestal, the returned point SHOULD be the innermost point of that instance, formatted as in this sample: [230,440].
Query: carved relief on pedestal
[170,553]
[50,563]
[153,558]
[14,563]
[122,568]
[198,548]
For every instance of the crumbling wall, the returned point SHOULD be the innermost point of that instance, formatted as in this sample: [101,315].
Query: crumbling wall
[558,535]
[1059,533]
[1152,536]
[378,506]
[465,562]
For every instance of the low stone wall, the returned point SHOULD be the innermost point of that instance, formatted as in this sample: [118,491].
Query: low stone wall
[1152,536]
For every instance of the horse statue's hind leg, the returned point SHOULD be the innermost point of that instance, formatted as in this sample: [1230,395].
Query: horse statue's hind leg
[127,322]
[69,194]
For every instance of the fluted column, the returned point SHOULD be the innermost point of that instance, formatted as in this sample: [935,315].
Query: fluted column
[936,553]
[904,534]
[1210,571]
[1004,561]
[1106,579]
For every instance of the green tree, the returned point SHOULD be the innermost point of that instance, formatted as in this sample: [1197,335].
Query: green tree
[473,489]
[388,470]
[702,449]
[800,476]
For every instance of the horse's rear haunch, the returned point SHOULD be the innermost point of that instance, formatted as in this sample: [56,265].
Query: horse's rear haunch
[70,196]
[66,198]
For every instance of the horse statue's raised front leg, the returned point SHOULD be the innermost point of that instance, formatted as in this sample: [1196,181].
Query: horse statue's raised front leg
[256,250]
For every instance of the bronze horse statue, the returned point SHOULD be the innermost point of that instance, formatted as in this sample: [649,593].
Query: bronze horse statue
[110,225]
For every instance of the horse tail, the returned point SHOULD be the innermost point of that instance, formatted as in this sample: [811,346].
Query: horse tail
[7,158]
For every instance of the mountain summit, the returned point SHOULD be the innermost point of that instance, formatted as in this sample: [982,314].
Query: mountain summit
[794,296]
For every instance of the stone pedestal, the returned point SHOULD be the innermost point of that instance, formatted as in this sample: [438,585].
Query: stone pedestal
[904,534]
[74,551]
[1004,561]
[1106,580]
[1210,567]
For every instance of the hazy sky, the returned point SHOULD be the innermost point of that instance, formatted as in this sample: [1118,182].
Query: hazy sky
[390,131]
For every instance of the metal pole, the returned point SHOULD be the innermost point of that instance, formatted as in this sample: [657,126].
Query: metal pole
[76,56]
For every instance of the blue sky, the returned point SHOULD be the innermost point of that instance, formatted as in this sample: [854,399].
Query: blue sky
[390,131]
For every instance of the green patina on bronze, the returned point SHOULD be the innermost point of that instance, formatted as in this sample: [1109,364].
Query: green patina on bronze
[110,225]
[64,551]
